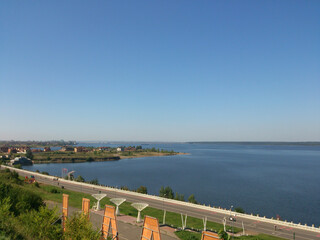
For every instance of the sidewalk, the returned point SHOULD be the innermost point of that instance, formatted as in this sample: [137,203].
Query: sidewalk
[127,226]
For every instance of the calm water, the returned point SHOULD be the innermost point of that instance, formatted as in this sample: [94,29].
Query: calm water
[263,179]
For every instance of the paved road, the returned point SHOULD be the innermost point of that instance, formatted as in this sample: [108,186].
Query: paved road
[249,225]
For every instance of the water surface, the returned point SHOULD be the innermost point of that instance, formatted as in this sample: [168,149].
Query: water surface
[264,179]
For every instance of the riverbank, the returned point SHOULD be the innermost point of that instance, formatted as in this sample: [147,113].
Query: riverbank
[85,157]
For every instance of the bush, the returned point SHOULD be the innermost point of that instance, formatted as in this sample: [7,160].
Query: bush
[80,179]
[239,210]
[166,192]
[94,181]
[39,224]
[22,200]
[54,190]
[90,159]
[124,188]
[192,199]
[17,166]
[78,227]
[142,189]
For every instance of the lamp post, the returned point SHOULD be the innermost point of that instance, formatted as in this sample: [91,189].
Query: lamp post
[230,218]
[164,211]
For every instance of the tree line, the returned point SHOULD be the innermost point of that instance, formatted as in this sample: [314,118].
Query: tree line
[24,215]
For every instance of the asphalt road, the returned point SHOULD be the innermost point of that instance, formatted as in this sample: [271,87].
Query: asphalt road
[249,225]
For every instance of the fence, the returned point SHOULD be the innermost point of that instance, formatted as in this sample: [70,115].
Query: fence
[191,205]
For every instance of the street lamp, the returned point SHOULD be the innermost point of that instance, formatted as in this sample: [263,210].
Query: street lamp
[231,219]
[164,211]
[231,209]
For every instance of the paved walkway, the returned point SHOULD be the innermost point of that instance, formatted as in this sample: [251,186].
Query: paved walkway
[127,226]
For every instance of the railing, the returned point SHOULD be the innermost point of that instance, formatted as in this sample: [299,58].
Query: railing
[202,207]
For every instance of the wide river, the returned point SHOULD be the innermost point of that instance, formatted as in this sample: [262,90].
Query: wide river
[266,179]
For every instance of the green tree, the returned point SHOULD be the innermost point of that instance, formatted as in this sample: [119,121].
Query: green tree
[169,192]
[239,210]
[142,189]
[90,159]
[78,227]
[29,153]
[192,199]
[166,192]
[179,197]
[94,181]
[80,179]
[161,192]
[223,235]
[41,224]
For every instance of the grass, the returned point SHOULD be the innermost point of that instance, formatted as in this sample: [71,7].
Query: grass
[70,156]
[52,193]
[75,200]
[186,235]
[260,237]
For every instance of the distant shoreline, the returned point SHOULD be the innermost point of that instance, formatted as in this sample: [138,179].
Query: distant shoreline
[261,143]
[109,159]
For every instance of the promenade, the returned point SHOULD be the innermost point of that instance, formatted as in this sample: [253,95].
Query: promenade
[251,223]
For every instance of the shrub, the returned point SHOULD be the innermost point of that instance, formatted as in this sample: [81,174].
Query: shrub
[142,189]
[192,199]
[80,179]
[239,210]
[40,224]
[22,200]
[90,159]
[54,190]
[78,227]
[94,181]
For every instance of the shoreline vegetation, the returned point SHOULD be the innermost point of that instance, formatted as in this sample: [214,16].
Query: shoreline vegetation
[76,153]
[82,158]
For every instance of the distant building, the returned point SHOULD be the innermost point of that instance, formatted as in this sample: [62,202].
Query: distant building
[47,149]
[129,149]
[22,149]
[104,148]
[4,149]
[12,150]
[65,149]
[119,149]
[21,160]
[80,149]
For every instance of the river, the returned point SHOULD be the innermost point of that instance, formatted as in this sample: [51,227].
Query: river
[265,179]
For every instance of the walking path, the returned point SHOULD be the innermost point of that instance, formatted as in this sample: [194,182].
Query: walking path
[128,228]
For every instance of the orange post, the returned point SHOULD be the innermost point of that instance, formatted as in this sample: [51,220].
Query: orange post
[150,229]
[65,203]
[209,236]
[110,223]
[86,206]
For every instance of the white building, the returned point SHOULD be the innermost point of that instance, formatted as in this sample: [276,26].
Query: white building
[20,160]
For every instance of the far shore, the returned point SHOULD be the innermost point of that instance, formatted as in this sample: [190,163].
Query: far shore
[108,159]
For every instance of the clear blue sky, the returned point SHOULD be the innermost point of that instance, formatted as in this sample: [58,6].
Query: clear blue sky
[160,70]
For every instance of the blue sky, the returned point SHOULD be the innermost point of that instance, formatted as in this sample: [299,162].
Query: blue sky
[160,70]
